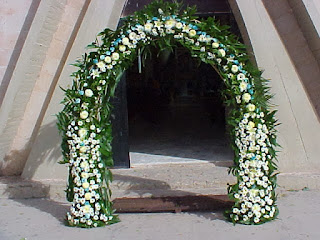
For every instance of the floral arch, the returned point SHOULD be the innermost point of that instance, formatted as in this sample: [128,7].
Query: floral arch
[85,123]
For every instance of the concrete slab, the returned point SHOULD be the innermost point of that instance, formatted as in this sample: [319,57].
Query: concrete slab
[34,219]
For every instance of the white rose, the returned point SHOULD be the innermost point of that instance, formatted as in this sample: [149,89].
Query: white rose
[251,107]
[87,196]
[170,23]
[246,97]
[179,25]
[101,65]
[125,41]
[243,86]
[222,52]
[250,125]
[86,209]
[132,35]
[215,45]
[84,175]
[115,56]
[83,149]
[88,93]
[82,132]
[147,27]
[84,114]
[108,59]
[122,48]
[234,68]
[192,33]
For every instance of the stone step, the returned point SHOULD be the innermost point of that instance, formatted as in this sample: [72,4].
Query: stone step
[147,181]
[155,180]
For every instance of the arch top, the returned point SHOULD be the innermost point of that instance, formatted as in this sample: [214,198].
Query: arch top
[85,123]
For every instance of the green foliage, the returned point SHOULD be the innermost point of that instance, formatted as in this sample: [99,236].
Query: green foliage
[102,84]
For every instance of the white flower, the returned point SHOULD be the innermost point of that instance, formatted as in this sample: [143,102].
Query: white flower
[158,24]
[170,23]
[84,114]
[251,107]
[115,56]
[234,68]
[238,99]
[250,125]
[222,52]
[202,38]
[88,93]
[101,65]
[87,196]
[192,33]
[148,27]
[125,41]
[256,208]
[246,97]
[179,25]
[241,76]
[243,86]
[95,73]
[185,28]
[122,48]
[108,59]
[160,11]
[84,175]
[85,185]
[215,45]
[132,35]
[82,132]
[86,209]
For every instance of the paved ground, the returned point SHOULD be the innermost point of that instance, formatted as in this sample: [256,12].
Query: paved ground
[180,134]
[43,219]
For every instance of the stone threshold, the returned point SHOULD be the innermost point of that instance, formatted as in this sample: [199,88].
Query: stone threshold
[154,181]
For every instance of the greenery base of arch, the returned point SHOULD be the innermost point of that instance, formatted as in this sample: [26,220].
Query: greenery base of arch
[85,124]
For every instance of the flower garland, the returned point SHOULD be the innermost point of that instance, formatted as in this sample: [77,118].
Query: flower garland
[85,120]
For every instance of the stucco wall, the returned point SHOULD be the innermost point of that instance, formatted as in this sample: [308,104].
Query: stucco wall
[42,161]
[299,132]
[12,18]
[58,35]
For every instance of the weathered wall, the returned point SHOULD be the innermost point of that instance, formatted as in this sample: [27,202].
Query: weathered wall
[271,27]
[282,34]
[37,68]
[13,31]
[42,161]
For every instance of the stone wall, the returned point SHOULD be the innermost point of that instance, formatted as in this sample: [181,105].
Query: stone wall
[281,49]
[283,35]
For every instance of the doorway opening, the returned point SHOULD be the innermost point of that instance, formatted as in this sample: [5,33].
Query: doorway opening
[175,110]
[174,107]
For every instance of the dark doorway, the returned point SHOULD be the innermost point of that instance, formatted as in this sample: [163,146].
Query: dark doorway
[173,104]
[175,110]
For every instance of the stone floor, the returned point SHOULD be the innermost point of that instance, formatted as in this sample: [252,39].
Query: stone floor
[178,134]
[39,219]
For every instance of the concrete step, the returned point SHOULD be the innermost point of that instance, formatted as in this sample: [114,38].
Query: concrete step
[149,180]
[155,181]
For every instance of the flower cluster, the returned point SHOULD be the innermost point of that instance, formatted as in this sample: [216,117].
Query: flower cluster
[85,120]
[85,163]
